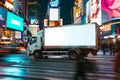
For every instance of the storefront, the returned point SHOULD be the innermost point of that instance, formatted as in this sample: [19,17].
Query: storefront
[110,32]
[9,24]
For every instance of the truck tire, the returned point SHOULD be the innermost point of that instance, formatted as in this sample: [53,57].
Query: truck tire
[37,55]
[72,54]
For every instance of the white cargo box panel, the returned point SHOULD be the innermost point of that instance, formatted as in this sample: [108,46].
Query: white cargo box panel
[71,35]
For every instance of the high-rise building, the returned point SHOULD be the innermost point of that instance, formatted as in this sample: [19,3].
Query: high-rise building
[37,10]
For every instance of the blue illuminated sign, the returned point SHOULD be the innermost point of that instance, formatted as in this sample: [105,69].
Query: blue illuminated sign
[3,13]
[54,3]
[14,22]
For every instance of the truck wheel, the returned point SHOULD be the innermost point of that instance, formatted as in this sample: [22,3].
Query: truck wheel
[72,54]
[37,55]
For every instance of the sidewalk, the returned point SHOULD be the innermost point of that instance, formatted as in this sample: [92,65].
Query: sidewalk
[100,56]
[100,53]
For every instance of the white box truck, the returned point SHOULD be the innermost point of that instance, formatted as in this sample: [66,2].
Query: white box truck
[74,40]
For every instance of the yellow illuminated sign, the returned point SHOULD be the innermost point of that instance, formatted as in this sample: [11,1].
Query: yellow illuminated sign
[51,23]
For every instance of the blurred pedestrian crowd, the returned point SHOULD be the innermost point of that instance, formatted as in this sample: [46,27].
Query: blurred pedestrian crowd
[107,48]
[117,61]
[87,66]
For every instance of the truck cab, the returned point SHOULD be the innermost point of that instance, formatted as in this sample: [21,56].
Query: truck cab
[35,45]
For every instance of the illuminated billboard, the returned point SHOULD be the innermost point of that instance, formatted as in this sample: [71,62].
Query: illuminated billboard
[54,14]
[78,8]
[17,35]
[34,21]
[54,3]
[3,14]
[110,9]
[95,11]
[53,23]
[14,22]
[88,12]
[34,29]
[9,4]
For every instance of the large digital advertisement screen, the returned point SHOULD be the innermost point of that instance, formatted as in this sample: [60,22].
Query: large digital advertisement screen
[3,13]
[110,9]
[88,12]
[95,11]
[9,4]
[14,22]
[101,11]
[54,14]
[78,9]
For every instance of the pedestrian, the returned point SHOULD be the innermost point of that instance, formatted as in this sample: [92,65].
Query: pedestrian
[117,61]
[104,48]
[84,66]
[111,49]
[80,72]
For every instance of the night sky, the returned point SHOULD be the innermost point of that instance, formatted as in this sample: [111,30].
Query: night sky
[65,11]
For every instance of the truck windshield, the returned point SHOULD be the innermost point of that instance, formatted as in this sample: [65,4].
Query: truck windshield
[33,40]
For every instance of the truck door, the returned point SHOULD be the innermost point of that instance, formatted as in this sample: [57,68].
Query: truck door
[32,45]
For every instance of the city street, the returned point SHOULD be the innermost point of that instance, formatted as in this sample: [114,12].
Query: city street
[22,67]
[59,39]
[105,68]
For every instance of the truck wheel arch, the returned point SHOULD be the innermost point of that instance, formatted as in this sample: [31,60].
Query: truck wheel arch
[74,54]
[37,54]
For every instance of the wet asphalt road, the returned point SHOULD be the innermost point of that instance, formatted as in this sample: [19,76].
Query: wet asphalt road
[22,67]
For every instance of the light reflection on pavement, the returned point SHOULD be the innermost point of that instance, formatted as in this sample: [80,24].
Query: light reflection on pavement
[24,68]
[29,69]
